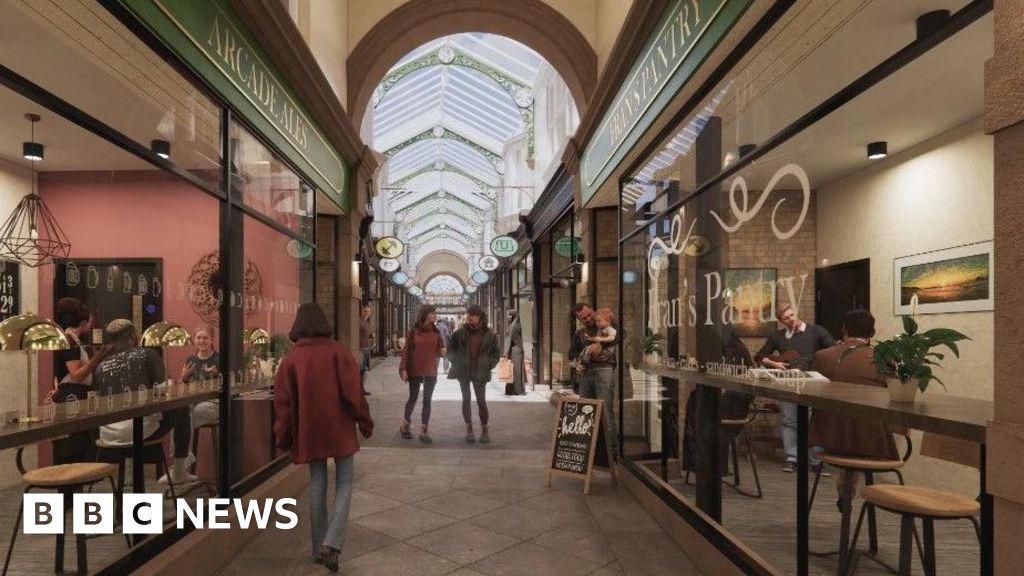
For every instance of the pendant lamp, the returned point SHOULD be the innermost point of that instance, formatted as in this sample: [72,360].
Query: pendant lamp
[31,235]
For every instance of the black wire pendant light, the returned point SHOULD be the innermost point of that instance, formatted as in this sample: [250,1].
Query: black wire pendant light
[31,235]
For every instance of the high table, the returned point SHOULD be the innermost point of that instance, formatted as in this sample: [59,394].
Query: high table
[957,417]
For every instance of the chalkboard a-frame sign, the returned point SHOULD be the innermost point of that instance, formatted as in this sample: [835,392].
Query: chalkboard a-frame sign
[578,432]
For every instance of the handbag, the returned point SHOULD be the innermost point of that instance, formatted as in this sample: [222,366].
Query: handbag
[505,370]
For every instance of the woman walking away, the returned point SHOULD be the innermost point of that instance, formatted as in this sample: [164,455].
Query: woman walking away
[423,346]
[516,353]
[318,402]
[474,354]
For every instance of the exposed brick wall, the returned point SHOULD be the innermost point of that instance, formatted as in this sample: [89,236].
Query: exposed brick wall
[326,290]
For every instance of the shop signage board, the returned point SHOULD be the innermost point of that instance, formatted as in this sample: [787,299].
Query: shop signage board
[567,246]
[685,36]
[480,277]
[10,289]
[388,264]
[488,263]
[504,246]
[389,247]
[400,278]
[574,442]
[216,45]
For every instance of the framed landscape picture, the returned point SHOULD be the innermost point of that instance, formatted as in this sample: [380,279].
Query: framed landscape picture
[751,291]
[956,279]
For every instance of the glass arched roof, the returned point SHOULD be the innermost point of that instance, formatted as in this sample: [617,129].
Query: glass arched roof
[442,117]
[444,285]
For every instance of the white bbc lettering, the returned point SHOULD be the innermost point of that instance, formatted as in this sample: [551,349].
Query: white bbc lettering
[218,509]
[142,514]
[247,511]
[281,507]
[93,513]
[185,511]
[43,513]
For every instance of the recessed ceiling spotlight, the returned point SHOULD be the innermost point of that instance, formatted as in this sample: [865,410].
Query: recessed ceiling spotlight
[877,150]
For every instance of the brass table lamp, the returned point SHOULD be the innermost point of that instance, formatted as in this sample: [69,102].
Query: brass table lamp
[30,333]
[165,335]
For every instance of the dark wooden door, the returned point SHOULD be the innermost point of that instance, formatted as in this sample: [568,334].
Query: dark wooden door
[841,288]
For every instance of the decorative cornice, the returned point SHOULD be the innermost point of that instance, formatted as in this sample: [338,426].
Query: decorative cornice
[273,27]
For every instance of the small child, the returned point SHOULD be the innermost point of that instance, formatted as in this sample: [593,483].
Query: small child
[603,318]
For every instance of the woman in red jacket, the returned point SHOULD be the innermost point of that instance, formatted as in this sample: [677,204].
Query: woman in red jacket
[423,346]
[318,403]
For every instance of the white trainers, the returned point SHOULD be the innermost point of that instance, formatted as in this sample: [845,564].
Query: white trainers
[186,479]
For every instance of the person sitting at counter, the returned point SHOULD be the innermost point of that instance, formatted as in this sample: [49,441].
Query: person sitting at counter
[840,433]
[74,364]
[130,365]
[204,364]
[801,340]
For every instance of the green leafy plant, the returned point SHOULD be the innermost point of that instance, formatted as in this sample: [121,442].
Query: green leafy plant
[911,355]
[651,343]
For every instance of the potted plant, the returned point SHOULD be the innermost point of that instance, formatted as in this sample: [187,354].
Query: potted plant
[650,346]
[908,359]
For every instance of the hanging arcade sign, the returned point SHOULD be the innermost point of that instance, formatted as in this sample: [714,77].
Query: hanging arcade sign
[480,277]
[567,246]
[399,278]
[504,246]
[488,263]
[388,264]
[389,247]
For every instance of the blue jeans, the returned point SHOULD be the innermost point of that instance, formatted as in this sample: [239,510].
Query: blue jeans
[787,421]
[599,384]
[330,533]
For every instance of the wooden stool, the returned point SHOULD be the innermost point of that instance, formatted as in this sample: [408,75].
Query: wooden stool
[751,457]
[152,453]
[848,466]
[214,428]
[66,479]
[912,502]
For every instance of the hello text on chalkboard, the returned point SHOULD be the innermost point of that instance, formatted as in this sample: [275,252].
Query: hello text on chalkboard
[578,432]
[10,289]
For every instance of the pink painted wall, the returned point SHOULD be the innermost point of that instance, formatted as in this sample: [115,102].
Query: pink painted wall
[148,214]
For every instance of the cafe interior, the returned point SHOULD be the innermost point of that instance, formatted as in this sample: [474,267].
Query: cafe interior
[840,165]
[112,183]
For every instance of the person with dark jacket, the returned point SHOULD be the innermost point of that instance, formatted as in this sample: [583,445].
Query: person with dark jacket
[318,404]
[517,354]
[423,346]
[474,354]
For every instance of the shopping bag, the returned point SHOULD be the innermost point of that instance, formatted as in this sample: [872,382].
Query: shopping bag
[505,370]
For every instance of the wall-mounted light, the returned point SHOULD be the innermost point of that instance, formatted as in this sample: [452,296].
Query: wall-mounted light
[161,148]
[358,258]
[32,150]
[877,150]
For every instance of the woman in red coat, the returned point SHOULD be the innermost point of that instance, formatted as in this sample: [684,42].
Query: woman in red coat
[423,346]
[318,403]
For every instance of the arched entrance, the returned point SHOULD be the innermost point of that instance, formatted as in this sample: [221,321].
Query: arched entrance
[531,22]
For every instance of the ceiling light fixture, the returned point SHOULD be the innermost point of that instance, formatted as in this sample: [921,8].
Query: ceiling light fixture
[877,150]
[746,149]
[931,22]
[161,148]
[32,150]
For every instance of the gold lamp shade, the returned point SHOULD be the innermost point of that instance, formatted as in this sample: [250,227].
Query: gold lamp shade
[30,332]
[256,337]
[166,334]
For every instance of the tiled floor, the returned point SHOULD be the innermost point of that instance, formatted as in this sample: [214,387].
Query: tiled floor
[469,509]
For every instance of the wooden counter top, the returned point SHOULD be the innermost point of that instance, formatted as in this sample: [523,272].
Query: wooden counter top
[934,411]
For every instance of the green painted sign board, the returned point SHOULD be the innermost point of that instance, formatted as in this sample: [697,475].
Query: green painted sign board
[567,247]
[685,36]
[209,37]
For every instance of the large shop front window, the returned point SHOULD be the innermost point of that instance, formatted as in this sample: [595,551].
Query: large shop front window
[769,203]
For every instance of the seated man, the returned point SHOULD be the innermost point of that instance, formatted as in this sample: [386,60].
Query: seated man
[843,434]
[131,365]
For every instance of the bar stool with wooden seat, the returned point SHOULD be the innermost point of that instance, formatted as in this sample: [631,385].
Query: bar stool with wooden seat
[742,424]
[152,453]
[851,465]
[66,479]
[928,504]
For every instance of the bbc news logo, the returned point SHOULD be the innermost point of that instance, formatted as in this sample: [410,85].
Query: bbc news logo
[144,513]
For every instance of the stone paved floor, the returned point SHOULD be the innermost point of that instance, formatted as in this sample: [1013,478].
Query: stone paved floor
[470,509]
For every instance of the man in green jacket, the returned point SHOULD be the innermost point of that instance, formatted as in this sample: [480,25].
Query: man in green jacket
[474,353]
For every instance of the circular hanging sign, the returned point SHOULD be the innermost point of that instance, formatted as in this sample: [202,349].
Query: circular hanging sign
[488,263]
[470,289]
[480,277]
[567,246]
[298,250]
[388,264]
[415,290]
[629,277]
[399,277]
[504,246]
[389,247]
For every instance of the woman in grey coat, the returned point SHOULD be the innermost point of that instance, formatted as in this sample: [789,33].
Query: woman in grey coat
[517,355]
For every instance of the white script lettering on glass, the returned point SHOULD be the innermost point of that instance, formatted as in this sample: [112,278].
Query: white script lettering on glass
[670,313]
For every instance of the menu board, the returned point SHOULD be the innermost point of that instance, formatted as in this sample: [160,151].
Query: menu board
[577,433]
[10,289]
